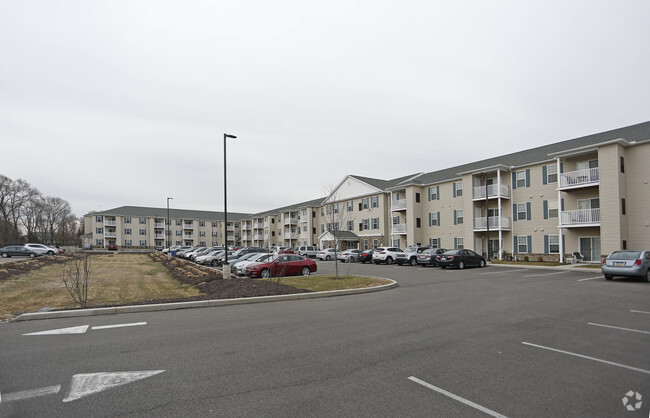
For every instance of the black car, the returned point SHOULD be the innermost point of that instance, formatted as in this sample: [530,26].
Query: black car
[366,255]
[428,257]
[460,258]
[18,251]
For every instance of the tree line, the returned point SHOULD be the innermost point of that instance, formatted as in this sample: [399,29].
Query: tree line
[26,215]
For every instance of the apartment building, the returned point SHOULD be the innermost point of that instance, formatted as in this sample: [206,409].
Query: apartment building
[589,195]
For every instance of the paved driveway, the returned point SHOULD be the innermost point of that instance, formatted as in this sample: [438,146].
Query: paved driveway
[495,341]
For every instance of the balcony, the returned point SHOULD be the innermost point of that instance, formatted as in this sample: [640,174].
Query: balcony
[580,218]
[230,228]
[399,229]
[159,225]
[159,236]
[258,236]
[110,223]
[188,236]
[581,178]
[493,191]
[290,221]
[188,226]
[398,204]
[245,227]
[258,225]
[266,224]
[290,235]
[110,234]
[230,238]
[480,224]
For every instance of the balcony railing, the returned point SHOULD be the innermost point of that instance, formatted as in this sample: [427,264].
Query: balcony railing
[580,178]
[230,237]
[493,191]
[159,236]
[188,236]
[112,234]
[266,224]
[110,223]
[398,204]
[258,236]
[188,226]
[480,224]
[399,229]
[245,227]
[580,217]
[290,235]
[290,221]
[159,225]
[246,236]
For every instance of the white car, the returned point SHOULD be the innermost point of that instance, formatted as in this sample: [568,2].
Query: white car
[327,254]
[308,250]
[240,268]
[209,258]
[41,249]
[349,256]
[385,255]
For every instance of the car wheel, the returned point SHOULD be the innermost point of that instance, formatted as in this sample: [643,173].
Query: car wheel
[443,267]
[461,265]
[647,275]
[5,255]
[413,261]
[609,277]
[32,255]
[389,260]
[363,261]
[265,274]
[213,263]
[328,258]
[50,253]
[305,271]
[482,263]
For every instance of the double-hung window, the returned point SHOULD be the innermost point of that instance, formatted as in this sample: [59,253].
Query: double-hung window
[365,224]
[458,189]
[458,217]
[350,225]
[375,223]
[350,205]
[374,201]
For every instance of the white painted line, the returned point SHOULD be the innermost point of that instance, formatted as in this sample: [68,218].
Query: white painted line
[26,394]
[61,331]
[456,397]
[547,274]
[507,271]
[643,312]
[89,383]
[622,329]
[135,324]
[591,278]
[636,369]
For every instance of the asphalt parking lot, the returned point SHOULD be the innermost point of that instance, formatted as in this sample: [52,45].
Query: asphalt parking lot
[497,341]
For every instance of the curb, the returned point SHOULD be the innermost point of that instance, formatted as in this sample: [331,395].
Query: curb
[568,267]
[200,303]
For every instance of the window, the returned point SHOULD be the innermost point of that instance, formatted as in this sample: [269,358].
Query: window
[550,209]
[350,206]
[202,243]
[336,208]
[322,212]
[623,206]
[459,242]
[350,225]
[624,244]
[521,211]
[99,242]
[365,224]
[127,242]
[143,242]
[99,230]
[554,244]
[127,220]
[433,192]
[622,160]
[551,174]
[417,197]
[201,223]
[143,232]
[178,222]
[322,228]
[375,223]
[458,216]
[458,189]
[374,202]
[434,242]
[375,243]
[434,219]
[201,233]
[143,221]
[214,224]
[178,233]
[127,231]
[364,203]
[365,244]
[589,203]
[521,178]
[418,223]
[99,219]
[395,220]
[522,244]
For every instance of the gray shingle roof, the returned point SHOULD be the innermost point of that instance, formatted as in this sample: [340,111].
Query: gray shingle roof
[139,211]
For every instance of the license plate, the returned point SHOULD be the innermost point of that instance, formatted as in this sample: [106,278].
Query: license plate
[443,258]
[619,264]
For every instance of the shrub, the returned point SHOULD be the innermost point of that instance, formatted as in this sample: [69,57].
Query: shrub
[526,258]
[540,259]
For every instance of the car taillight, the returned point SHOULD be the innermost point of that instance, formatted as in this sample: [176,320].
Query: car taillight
[383,252]
[637,263]
[451,257]
[604,261]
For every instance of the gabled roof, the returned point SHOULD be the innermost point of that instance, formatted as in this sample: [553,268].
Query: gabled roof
[290,208]
[139,211]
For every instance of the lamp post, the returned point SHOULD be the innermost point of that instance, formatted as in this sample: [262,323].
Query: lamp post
[168,238]
[226,267]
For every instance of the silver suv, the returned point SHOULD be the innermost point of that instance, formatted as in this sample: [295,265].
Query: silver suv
[308,250]
[410,255]
[41,249]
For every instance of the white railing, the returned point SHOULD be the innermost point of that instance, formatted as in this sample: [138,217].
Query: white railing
[398,204]
[399,229]
[159,236]
[245,236]
[481,223]
[188,226]
[245,227]
[230,237]
[290,235]
[493,190]
[266,224]
[159,225]
[258,236]
[580,217]
[186,236]
[110,223]
[290,221]
[586,177]
[110,234]
[257,225]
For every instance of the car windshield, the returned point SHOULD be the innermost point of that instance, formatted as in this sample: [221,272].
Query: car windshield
[429,251]
[450,252]
[410,249]
[625,255]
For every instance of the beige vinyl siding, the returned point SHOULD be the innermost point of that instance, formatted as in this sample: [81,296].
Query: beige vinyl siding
[637,170]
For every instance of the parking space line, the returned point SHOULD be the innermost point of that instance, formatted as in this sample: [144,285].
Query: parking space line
[619,328]
[591,278]
[507,271]
[134,324]
[456,397]
[547,274]
[611,363]
[643,312]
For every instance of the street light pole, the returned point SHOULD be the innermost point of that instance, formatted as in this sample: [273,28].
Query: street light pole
[226,268]
[169,232]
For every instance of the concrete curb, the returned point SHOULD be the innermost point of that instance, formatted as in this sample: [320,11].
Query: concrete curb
[199,303]
[570,267]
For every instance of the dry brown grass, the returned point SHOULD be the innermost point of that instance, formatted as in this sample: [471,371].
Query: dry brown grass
[115,279]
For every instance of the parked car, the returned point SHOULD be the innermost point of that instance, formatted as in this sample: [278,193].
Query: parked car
[283,265]
[460,259]
[18,251]
[428,257]
[240,268]
[214,258]
[241,258]
[366,256]
[191,254]
[327,254]
[111,247]
[182,250]
[308,250]
[629,263]
[57,249]
[87,247]
[170,249]
[385,255]
[349,256]
[410,255]
[40,248]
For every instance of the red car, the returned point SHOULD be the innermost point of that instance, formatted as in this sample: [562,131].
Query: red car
[283,265]
[111,247]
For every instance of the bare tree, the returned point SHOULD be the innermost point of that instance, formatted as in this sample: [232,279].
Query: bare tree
[335,217]
[76,277]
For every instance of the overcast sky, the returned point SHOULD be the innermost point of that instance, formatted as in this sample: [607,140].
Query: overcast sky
[111,103]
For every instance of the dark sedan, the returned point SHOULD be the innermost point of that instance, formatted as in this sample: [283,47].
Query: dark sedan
[366,256]
[18,251]
[428,257]
[460,259]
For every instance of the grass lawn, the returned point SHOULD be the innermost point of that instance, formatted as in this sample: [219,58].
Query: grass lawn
[114,279]
[320,283]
